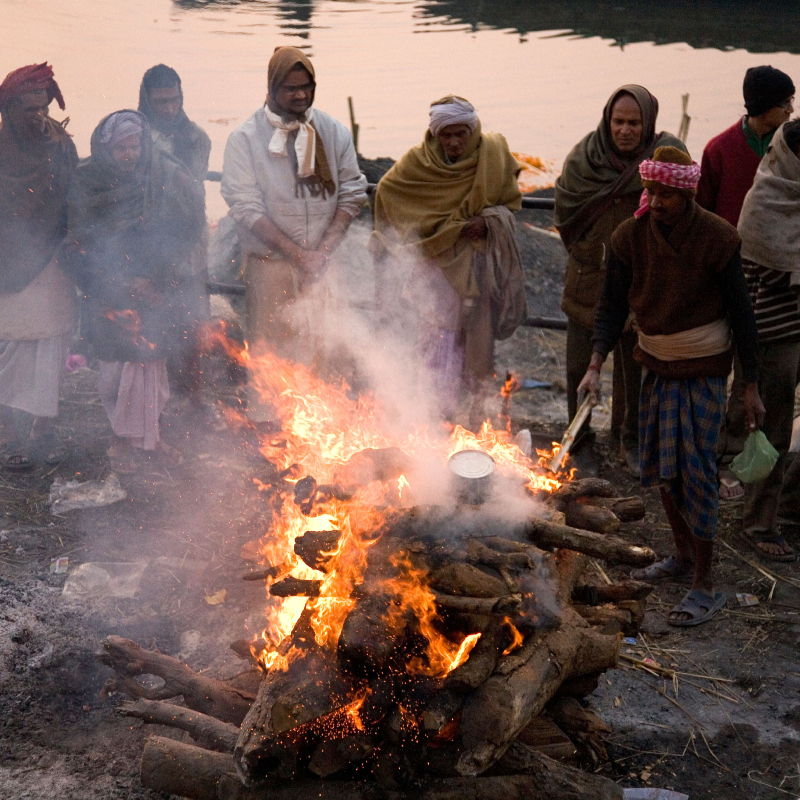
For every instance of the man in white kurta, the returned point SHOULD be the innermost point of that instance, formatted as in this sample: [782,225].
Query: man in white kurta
[292,182]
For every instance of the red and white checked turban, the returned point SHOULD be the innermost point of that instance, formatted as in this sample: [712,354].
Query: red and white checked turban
[679,176]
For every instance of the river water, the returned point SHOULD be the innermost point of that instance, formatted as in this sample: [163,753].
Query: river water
[539,72]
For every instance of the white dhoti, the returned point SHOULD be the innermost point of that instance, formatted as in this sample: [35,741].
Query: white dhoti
[35,331]
[133,396]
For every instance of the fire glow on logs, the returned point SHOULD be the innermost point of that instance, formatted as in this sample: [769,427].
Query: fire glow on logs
[408,634]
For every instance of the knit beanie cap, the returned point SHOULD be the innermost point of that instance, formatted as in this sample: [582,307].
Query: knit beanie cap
[764,88]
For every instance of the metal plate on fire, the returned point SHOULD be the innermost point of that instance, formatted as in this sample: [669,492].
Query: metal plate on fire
[474,464]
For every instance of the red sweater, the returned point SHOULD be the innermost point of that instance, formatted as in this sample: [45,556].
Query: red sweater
[728,169]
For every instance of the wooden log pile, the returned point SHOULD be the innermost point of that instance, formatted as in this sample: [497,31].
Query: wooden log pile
[377,716]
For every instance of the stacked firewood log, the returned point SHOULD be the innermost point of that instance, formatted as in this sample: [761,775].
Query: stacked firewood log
[369,718]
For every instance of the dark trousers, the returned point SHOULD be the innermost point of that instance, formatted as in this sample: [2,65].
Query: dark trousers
[627,380]
[778,368]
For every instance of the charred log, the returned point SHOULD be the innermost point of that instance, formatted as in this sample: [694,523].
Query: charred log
[295,587]
[613,592]
[182,769]
[207,731]
[506,703]
[584,487]
[591,518]
[316,547]
[480,605]
[482,659]
[626,509]
[468,581]
[609,548]
[200,693]
[369,636]
[177,768]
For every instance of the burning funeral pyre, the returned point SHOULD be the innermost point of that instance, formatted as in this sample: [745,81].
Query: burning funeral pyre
[415,636]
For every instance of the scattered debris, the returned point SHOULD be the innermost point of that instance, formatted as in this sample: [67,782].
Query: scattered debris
[217,598]
[59,565]
[746,599]
[105,579]
[73,495]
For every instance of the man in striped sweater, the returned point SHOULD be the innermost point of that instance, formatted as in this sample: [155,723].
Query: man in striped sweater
[769,225]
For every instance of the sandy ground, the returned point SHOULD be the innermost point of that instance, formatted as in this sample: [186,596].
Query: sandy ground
[727,726]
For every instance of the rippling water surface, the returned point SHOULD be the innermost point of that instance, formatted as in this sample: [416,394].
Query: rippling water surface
[539,72]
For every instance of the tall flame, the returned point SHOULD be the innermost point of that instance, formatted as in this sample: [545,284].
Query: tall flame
[322,428]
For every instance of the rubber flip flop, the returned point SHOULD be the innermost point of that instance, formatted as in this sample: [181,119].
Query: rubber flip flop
[700,605]
[666,569]
[16,458]
[777,538]
[730,487]
[52,451]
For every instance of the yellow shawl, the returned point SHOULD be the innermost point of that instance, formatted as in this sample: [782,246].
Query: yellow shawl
[422,202]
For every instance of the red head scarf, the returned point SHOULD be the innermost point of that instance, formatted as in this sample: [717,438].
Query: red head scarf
[29,79]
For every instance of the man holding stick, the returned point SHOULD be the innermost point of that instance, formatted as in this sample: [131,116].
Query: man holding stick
[678,268]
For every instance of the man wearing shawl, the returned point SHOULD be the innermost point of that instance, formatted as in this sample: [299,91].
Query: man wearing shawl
[729,165]
[678,268]
[292,182]
[161,102]
[769,225]
[134,214]
[598,188]
[37,159]
[450,201]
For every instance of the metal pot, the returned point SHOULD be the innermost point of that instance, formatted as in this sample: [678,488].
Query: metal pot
[471,475]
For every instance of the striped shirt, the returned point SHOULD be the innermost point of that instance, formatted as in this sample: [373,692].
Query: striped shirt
[776,305]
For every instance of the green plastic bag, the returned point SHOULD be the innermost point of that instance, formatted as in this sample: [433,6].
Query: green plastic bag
[756,460]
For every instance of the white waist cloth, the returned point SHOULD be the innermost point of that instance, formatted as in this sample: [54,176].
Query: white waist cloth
[44,308]
[701,342]
[134,395]
[30,374]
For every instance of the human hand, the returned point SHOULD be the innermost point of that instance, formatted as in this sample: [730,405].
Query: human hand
[754,410]
[313,263]
[590,384]
[474,229]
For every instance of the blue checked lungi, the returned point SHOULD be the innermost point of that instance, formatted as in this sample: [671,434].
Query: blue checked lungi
[679,424]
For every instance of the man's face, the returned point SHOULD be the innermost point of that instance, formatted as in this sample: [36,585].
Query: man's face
[166,103]
[667,204]
[127,152]
[626,124]
[453,139]
[296,93]
[779,114]
[34,111]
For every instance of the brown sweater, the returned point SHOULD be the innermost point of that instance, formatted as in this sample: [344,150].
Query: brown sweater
[673,281]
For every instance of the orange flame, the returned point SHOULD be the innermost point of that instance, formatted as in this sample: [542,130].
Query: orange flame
[322,428]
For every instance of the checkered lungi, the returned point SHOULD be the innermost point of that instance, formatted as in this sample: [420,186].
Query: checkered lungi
[679,424]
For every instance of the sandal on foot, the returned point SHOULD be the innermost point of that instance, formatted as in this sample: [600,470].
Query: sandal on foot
[16,458]
[50,449]
[730,487]
[768,537]
[668,568]
[699,605]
